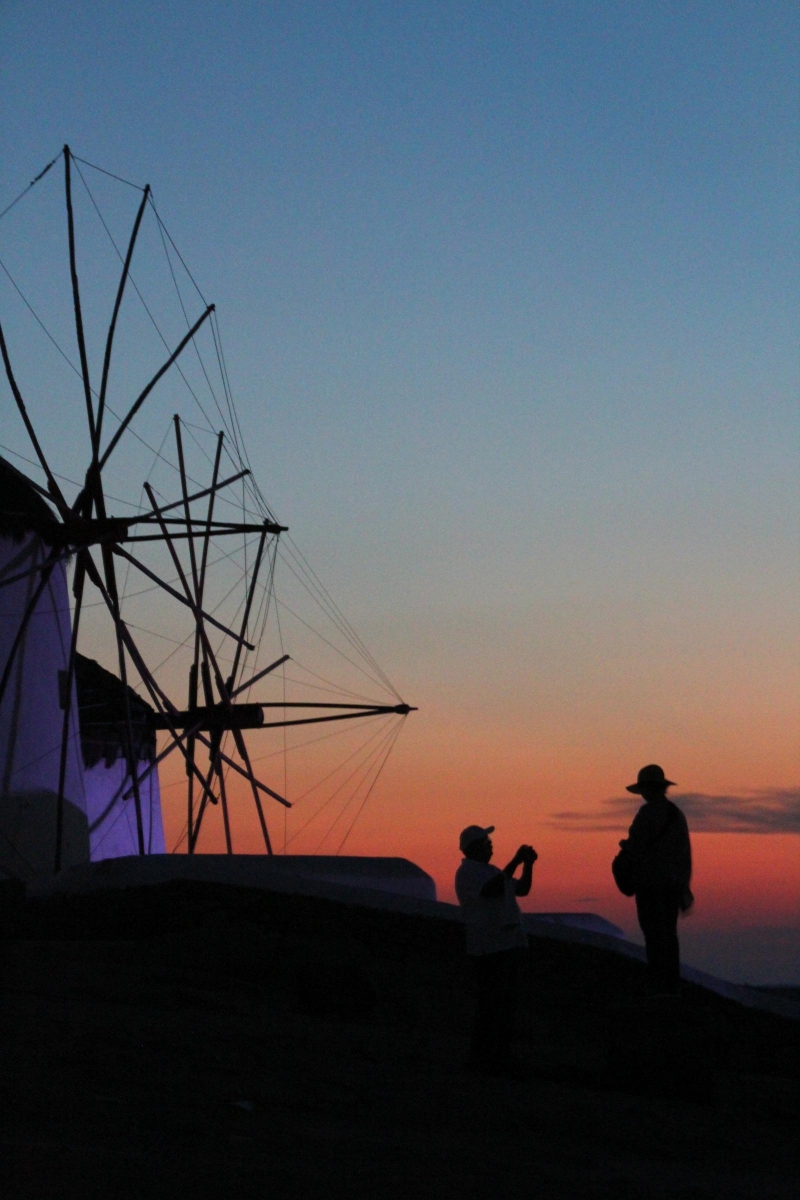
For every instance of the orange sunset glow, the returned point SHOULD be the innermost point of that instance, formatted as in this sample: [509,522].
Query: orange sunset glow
[496,313]
[432,787]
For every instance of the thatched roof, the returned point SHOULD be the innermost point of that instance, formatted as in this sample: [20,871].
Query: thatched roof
[103,722]
[23,509]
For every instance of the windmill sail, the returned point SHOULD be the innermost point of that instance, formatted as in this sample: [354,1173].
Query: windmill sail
[169,649]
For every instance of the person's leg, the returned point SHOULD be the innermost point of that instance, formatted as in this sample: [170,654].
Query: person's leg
[508,986]
[672,953]
[493,1030]
[481,1046]
[658,920]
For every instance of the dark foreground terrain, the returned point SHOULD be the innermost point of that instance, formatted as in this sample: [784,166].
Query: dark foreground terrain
[196,1041]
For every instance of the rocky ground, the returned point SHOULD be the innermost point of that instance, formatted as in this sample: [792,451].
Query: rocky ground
[194,1040]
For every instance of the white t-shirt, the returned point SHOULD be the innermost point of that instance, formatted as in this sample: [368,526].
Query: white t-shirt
[492,922]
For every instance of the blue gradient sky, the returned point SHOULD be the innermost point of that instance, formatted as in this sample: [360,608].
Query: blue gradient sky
[509,294]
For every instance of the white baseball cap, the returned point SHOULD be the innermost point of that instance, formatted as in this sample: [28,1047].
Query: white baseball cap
[473,833]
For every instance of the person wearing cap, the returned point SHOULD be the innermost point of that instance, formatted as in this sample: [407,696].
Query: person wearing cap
[494,937]
[659,847]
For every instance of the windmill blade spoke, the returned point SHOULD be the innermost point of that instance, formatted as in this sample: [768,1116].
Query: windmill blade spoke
[101,403]
[185,494]
[242,748]
[223,796]
[212,495]
[201,523]
[175,744]
[349,716]
[117,549]
[262,787]
[207,795]
[130,748]
[210,658]
[55,491]
[47,563]
[190,746]
[163,704]
[76,301]
[126,420]
[248,603]
[25,554]
[364,707]
[80,578]
[209,491]
[200,616]
[272,667]
[192,536]
[197,603]
[208,652]
[94,494]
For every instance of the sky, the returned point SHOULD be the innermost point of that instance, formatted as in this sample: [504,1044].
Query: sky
[509,300]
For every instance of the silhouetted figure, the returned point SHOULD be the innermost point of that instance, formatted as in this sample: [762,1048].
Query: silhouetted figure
[495,937]
[660,856]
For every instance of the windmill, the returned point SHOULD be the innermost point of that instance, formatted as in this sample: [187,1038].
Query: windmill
[129,720]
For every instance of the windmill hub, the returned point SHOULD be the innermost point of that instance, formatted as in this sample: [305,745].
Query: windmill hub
[80,532]
[215,718]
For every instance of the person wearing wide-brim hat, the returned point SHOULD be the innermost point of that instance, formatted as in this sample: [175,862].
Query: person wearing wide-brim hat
[660,856]
[495,937]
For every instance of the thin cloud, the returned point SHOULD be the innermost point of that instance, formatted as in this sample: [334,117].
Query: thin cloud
[760,810]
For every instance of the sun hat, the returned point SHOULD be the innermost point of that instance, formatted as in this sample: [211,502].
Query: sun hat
[473,833]
[650,778]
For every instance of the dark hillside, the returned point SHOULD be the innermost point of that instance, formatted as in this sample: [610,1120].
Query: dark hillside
[203,1041]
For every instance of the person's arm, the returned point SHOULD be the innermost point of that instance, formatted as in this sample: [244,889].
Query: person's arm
[523,885]
[683,851]
[496,885]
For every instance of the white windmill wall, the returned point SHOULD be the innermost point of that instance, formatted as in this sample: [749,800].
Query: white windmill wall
[31,721]
[112,819]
